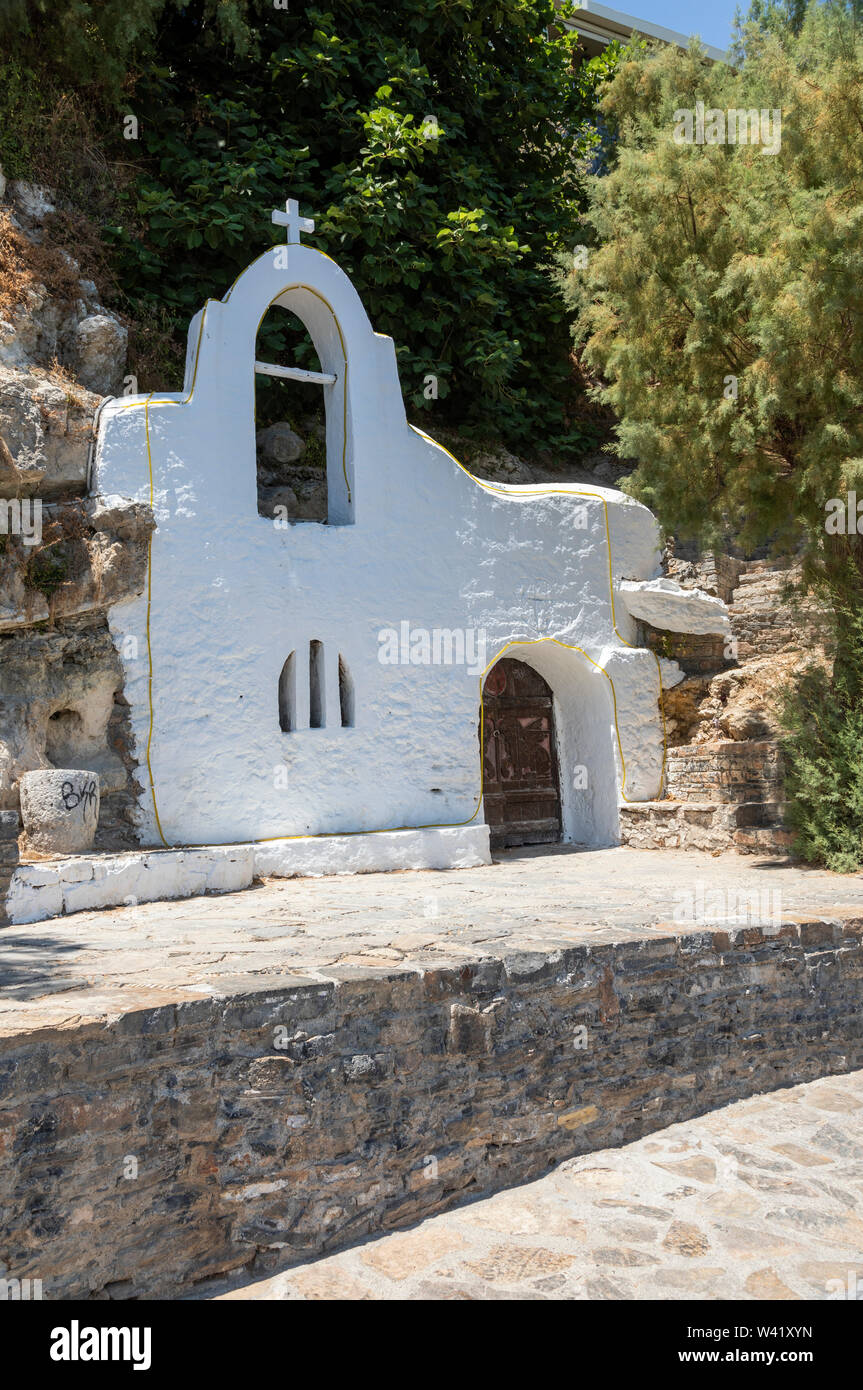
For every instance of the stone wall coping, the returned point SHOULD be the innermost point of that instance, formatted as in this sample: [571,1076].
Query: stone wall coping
[89,1008]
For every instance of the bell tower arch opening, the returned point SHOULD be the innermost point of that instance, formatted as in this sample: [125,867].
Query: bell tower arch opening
[290,421]
[300,328]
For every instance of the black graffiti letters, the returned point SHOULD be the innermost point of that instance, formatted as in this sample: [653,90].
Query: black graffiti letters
[72,798]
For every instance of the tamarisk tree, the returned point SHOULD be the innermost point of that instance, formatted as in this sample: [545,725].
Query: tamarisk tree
[720,299]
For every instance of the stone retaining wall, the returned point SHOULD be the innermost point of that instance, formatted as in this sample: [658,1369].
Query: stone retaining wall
[296,1116]
[749,827]
[745,770]
[696,654]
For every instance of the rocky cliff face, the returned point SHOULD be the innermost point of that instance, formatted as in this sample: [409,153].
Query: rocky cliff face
[723,771]
[64,557]
[731,692]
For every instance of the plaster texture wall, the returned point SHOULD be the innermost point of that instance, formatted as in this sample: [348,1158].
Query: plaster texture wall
[412,538]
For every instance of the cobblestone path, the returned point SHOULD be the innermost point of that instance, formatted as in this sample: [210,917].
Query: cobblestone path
[760,1200]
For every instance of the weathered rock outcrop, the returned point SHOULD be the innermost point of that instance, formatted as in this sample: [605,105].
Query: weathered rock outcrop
[61,681]
[63,706]
[93,554]
[100,352]
[61,323]
[47,428]
[723,779]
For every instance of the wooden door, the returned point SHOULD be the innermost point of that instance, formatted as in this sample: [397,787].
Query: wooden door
[521,791]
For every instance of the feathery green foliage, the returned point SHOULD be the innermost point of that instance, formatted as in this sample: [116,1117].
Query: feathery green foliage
[823,745]
[719,268]
[722,306]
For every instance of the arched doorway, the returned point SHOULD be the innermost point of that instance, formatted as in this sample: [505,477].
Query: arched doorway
[521,786]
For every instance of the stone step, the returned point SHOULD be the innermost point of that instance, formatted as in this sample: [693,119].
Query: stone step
[696,654]
[770,839]
[731,771]
[747,827]
[759,571]
[58,887]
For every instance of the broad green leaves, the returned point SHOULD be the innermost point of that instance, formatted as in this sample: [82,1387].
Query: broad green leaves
[429,142]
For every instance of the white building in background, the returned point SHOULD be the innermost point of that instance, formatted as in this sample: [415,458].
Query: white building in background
[301,679]
[597,26]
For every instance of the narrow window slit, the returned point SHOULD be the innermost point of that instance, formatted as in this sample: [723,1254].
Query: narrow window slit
[288,696]
[316,685]
[346,695]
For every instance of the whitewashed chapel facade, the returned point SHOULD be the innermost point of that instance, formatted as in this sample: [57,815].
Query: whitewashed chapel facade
[293,679]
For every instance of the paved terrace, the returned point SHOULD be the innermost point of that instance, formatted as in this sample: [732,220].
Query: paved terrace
[98,965]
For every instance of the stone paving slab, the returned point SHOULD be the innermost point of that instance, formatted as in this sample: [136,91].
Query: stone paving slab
[759,1200]
[99,965]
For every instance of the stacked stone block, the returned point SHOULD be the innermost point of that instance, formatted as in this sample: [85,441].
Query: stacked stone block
[730,771]
[764,619]
[724,793]
[696,654]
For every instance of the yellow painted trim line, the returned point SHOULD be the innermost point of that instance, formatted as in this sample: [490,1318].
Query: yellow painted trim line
[149,644]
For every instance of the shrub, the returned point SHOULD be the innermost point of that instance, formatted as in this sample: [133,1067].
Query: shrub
[822,716]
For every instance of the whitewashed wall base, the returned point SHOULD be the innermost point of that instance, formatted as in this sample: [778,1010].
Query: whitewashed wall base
[87,883]
[460,847]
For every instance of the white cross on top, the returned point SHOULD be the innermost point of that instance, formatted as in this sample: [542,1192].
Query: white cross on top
[291,219]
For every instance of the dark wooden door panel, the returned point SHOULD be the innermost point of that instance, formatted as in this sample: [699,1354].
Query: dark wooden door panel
[521,790]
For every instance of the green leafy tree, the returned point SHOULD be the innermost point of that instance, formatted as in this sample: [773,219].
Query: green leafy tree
[722,300]
[440,148]
[440,144]
[722,306]
[90,45]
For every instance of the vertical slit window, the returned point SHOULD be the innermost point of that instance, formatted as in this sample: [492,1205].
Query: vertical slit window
[288,696]
[346,695]
[316,685]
